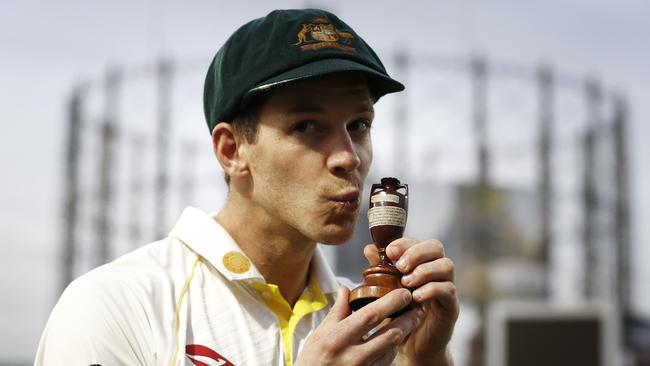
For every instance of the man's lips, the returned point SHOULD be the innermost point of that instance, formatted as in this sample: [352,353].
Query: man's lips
[347,201]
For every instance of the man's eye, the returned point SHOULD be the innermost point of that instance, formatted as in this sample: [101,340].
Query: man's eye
[304,126]
[360,125]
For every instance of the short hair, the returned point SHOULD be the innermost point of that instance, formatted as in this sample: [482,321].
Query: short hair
[246,121]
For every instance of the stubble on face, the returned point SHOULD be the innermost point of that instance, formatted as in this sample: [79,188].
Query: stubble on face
[311,157]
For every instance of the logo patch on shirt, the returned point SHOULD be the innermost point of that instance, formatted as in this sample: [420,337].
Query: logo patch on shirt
[320,33]
[236,262]
[205,356]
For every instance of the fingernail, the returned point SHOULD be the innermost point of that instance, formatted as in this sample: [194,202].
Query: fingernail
[402,264]
[407,279]
[393,250]
[417,294]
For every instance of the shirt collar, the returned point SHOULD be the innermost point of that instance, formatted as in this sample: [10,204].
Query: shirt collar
[205,236]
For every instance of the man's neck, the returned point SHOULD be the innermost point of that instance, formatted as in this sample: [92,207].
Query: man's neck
[281,255]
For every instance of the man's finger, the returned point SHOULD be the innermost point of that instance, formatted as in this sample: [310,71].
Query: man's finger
[364,320]
[397,247]
[444,293]
[371,253]
[387,358]
[439,270]
[419,253]
[394,333]
[341,309]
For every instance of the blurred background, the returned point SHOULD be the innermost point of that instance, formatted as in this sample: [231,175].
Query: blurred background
[521,135]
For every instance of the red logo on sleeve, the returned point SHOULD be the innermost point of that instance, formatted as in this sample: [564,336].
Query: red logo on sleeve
[204,356]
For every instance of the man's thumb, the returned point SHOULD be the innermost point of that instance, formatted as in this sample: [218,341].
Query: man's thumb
[372,254]
[341,309]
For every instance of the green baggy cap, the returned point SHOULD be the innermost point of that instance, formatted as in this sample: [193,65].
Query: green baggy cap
[284,46]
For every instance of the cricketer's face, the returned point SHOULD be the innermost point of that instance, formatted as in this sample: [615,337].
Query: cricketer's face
[312,155]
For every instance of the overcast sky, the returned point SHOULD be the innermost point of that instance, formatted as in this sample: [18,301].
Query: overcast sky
[47,46]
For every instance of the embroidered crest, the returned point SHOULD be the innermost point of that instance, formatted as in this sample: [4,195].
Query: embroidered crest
[320,33]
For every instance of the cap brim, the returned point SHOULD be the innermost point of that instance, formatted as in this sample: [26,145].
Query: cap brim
[380,84]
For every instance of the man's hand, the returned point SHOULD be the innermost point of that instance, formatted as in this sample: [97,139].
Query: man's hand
[339,339]
[430,275]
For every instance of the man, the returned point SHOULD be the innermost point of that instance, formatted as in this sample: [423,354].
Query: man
[290,124]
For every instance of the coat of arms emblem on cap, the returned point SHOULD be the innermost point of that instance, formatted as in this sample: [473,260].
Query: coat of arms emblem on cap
[320,33]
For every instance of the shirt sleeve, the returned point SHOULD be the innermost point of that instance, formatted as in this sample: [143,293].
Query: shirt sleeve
[97,321]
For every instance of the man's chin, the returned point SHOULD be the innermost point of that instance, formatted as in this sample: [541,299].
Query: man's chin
[336,230]
[337,236]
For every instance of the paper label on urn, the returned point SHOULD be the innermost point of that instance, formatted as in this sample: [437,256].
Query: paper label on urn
[384,198]
[387,215]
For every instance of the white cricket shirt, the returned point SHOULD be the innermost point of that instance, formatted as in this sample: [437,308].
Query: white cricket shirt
[193,298]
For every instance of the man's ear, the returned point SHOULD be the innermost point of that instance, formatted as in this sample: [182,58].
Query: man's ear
[226,144]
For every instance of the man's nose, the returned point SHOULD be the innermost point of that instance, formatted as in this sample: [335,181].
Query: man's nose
[343,157]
